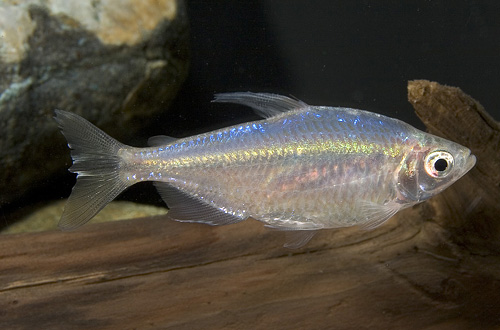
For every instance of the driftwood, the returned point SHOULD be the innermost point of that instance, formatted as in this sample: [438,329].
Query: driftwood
[436,265]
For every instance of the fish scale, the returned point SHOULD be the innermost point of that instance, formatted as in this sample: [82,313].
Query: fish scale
[301,168]
[287,164]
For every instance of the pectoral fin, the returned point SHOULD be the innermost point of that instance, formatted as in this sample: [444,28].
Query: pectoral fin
[377,214]
[298,238]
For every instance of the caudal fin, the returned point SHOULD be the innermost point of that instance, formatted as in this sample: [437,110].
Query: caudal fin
[97,164]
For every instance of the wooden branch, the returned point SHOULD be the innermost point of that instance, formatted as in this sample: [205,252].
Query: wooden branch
[470,208]
[432,266]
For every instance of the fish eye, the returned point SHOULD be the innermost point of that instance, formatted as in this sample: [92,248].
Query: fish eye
[438,164]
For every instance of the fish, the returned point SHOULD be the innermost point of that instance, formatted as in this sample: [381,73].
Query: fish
[299,169]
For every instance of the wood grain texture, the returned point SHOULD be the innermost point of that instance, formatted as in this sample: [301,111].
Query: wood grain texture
[434,266]
[470,209]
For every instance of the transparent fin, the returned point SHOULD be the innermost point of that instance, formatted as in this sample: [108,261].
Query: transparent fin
[160,140]
[96,162]
[89,196]
[264,104]
[298,238]
[376,214]
[186,208]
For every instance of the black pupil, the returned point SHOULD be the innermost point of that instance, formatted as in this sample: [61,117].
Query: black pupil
[440,165]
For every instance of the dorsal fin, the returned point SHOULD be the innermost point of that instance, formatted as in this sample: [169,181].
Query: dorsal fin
[264,104]
[160,140]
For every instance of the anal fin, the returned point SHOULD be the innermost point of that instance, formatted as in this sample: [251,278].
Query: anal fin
[186,208]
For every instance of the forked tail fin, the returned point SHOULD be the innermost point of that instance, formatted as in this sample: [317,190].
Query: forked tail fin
[97,164]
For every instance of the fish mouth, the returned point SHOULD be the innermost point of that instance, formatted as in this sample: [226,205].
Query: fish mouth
[469,163]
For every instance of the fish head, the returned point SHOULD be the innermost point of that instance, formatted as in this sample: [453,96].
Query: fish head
[431,166]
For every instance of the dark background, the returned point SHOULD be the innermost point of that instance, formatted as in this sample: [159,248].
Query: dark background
[356,54]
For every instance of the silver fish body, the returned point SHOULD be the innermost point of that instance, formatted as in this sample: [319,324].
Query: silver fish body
[303,168]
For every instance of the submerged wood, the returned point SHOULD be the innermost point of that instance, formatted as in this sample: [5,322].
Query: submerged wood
[436,265]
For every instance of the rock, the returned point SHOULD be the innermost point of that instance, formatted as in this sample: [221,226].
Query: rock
[116,63]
